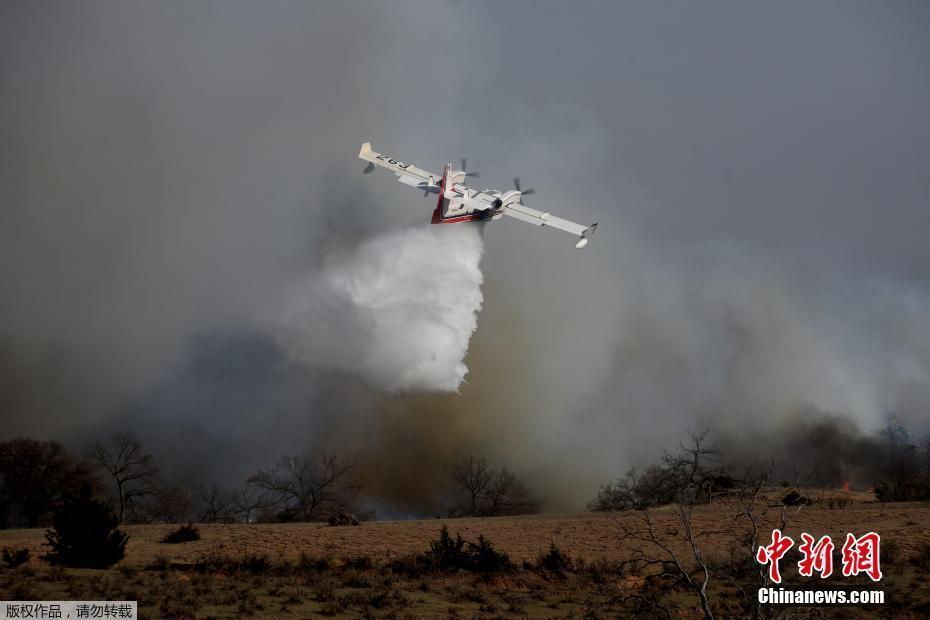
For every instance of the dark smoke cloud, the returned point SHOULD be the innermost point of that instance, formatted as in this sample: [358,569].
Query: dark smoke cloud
[168,172]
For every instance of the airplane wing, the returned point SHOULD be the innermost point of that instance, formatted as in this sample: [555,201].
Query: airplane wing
[408,173]
[539,218]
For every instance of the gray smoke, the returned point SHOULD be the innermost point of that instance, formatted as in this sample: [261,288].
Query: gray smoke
[170,175]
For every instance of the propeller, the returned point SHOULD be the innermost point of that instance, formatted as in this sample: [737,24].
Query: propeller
[523,192]
[474,175]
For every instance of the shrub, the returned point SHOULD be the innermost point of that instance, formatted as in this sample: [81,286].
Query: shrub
[412,565]
[324,592]
[901,489]
[185,533]
[484,558]
[85,534]
[446,552]
[793,498]
[343,518]
[554,560]
[15,557]
[359,562]
[601,571]
[255,563]
[356,579]
[308,563]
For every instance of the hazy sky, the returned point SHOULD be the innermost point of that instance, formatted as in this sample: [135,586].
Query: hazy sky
[760,172]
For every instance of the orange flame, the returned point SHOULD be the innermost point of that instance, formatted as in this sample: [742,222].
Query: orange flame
[846,486]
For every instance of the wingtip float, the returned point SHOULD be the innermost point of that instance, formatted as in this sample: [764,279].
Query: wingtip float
[459,203]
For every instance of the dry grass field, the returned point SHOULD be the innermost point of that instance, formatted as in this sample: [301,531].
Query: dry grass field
[302,570]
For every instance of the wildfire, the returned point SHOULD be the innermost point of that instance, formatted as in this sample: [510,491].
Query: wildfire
[846,486]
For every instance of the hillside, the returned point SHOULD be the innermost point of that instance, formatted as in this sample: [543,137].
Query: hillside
[355,561]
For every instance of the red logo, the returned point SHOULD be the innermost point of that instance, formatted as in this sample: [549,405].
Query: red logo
[817,557]
[774,552]
[859,555]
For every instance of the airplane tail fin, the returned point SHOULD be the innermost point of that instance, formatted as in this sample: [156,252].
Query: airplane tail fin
[365,153]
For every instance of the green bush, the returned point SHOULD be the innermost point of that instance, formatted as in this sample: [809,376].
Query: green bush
[484,558]
[554,560]
[448,553]
[185,533]
[455,553]
[85,534]
[793,498]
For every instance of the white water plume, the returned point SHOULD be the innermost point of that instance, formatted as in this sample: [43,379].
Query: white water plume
[398,312]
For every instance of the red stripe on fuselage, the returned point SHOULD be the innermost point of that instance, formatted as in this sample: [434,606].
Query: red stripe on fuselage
[437,213]
[471,217]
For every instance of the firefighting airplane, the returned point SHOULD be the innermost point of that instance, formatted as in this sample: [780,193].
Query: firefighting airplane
[458,203]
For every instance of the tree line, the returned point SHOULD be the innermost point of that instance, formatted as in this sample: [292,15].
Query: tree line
[897,470]
[39,477]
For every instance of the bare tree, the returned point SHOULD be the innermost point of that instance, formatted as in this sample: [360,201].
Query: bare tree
[652,487]
[689,472]
[473,477]
[132,469]
[309,489]
[742,572]
[248,503]
[508,495]
[489,493]
[215,504]
[693,476]
[170,504]
[900,476]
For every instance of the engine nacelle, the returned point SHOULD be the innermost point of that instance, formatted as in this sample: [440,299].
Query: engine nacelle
[511,197]
[456,176]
